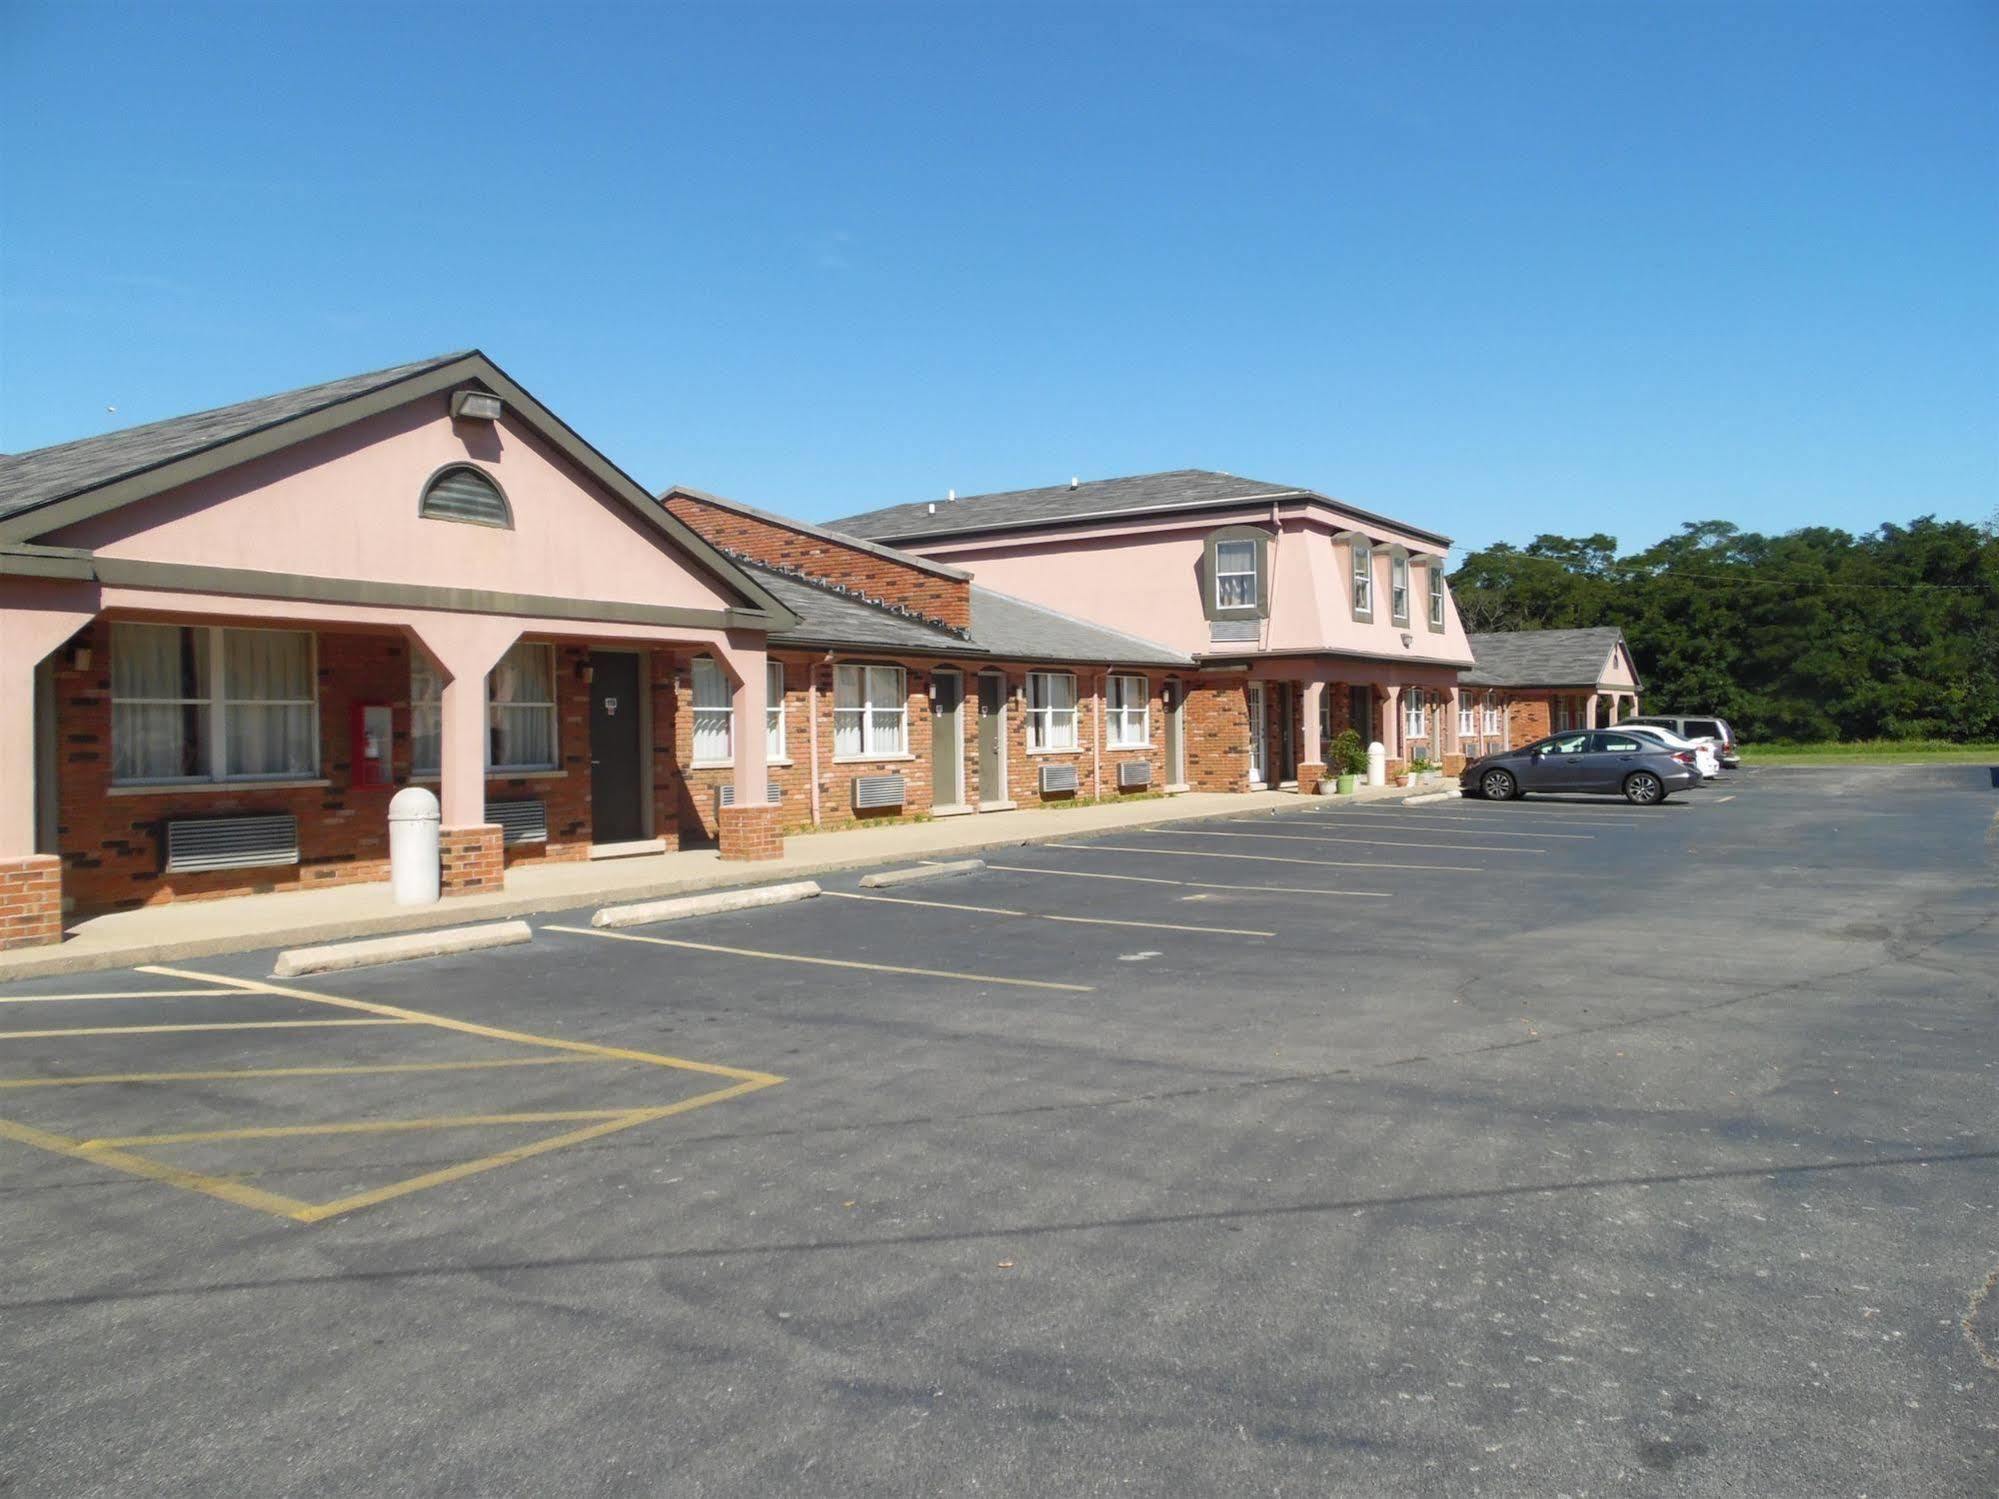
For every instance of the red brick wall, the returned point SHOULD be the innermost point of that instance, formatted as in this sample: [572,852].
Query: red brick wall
[1528,717]
[30,901]
[1217,728]
[947,600]
[113,842]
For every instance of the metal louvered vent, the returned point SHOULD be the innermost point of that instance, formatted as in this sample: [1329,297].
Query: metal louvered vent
[1232,631]
[520,822]
[465,494]
[231,843]
[725,794]
[1134,773]
[1057,778]
[877,791]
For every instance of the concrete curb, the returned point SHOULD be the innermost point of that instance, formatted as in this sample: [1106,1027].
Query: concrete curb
[1429,796]
[297,961]
[888,879]
[644,913]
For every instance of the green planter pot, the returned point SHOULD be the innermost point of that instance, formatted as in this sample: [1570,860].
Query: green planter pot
[1347,785]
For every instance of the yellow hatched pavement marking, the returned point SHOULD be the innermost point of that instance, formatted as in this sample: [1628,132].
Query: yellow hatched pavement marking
[792,957]
[1156,926]
[1204,853]
[49,999]
[1154,879]
[601,1122]
[226,1074]
[206,1025]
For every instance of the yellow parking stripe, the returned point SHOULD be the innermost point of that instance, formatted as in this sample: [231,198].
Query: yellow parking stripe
[1202,853]
[1156,926]
[138,1165]
[1153,879]
[206,1025]
[228,1074]
[792,957]
[352,1127]
[1471,848]
[45,999]
[467,1027]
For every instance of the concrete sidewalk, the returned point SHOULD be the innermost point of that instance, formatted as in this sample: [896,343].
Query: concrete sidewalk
[243,923]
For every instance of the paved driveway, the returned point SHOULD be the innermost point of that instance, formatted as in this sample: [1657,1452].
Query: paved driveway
[1557,1147]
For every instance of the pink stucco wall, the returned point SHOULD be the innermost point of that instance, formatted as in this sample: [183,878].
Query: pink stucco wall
[345,506]
[1145,577]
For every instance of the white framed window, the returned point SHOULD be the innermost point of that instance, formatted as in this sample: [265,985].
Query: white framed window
[773,710]
[204,703]
[1468,716]
[1413,713]
[1363,579]
[1235,574]
[1051,709]
[1127,712]
[714,709]
[1435,568]
[870,712]
[520,711]
[1492,713]
[1398,588]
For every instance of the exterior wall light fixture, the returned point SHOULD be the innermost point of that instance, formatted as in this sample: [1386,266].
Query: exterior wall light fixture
[476,406]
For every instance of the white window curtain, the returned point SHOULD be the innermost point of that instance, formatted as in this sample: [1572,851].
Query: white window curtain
[426,715]
[1492,713]
[1363,578]
[1235,574]
[159,703]
[520,709]
[1412,713]
[191,702]
[1398,589]
[1468,716]
[870,706]
[1127,709]
[1051,710]
[1435,569]
[774,710]
[713,710]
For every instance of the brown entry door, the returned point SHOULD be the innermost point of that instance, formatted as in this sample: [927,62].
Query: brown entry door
[616,813]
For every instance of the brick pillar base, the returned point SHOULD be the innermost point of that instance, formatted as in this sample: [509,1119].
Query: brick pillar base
[751,833]
[472,858]
[1309,776]
[30,901]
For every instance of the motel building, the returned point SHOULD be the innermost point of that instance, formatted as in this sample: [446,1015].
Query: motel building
[1529,684]
[227,640]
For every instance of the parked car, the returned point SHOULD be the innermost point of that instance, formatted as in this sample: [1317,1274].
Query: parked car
[1698,726]
[1607,761]
[1706,753]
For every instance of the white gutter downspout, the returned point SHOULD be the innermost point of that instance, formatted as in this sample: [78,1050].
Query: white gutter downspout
[812,734]
[1097,748]
[1276,535]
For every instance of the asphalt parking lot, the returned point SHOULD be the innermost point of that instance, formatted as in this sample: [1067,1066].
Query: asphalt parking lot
[1557,1147]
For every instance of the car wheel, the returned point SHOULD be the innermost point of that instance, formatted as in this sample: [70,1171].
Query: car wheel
[1643,789]
[1498,786]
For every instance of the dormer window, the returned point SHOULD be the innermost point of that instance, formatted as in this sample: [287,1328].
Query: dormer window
[1398,588]
[1435,568]
[464,493]
[1235,575]
[1363,579]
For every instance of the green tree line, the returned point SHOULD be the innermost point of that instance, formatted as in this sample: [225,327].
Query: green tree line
[1815,634]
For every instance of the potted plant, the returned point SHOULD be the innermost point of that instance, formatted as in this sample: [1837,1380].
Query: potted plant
[1350,759]
[1420,771]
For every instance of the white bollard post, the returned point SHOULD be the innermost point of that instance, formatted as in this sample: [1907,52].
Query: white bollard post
[1377,764]
[413,867]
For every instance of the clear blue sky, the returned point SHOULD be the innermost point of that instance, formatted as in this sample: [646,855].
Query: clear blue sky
[1497,268]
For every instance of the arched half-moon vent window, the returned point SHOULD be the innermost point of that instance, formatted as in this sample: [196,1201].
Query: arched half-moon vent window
[465,494]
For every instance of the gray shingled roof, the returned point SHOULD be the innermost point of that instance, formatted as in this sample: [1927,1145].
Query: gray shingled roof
[1541,658]
[1139,494]
[41,477]
[829,618]
[1016,507]
[1017,630]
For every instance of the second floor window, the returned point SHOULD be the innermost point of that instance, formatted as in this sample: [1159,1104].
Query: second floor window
[1051,710]
[1435,568]
[1398,589]
[1363,579]
[1125,710]
[1235,575]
